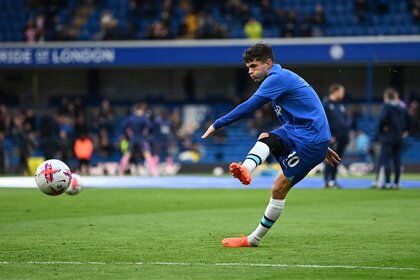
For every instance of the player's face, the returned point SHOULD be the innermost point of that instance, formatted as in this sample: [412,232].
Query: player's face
[258,70]
[341,93]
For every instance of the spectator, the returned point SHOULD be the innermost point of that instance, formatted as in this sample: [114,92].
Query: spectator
[415,11]
[64,146]
[190,151]
[29,120]
[79,107]
[83,149]
[5,119]
[57,29]
[318,21]
[48,136]
[157,31]
[183,29]
[236,11]
[306,27]
[258,124]
[80,126]
[40,27]
[3,152]
[65,124]
[267,13]
[168,11]
[21,141]
[176,119]
[290,25]
[361,10]
[208,28]
[105,147]
[253,29]
[319,17]
[109,27]
[30,33]
[363,147]
[134,10]
[106,117]
[280,18]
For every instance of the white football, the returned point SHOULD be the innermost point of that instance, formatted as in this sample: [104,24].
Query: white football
[76,184]
[53,177]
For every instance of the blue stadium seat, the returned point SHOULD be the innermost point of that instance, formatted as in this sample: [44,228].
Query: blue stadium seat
[340,13]
[271,33]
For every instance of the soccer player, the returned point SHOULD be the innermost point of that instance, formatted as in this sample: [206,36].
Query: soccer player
[137,127]
[339,127]
[299,144]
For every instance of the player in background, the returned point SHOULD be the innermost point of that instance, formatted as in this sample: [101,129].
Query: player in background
[164,142]
[137,127]
[299,144]
[392,129]
[339,127]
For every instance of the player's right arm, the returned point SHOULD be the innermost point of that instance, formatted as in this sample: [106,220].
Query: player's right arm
[241,111]
[332,158]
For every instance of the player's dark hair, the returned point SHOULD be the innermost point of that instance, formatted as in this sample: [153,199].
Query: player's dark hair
[260,51]
[334,87]
[391,93]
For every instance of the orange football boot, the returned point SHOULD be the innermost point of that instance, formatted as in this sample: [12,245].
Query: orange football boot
[236,242]
[240,173]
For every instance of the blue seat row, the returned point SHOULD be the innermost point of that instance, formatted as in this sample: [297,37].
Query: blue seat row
[340,15]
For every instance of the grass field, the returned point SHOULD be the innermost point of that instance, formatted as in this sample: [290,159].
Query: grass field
[176,234]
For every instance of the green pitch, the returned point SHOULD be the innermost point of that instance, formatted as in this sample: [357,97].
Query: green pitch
[176,234]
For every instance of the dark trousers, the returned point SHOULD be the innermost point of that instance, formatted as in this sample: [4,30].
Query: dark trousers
[330,172]
[391,152]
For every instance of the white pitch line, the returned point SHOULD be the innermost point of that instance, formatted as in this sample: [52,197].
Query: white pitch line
[214,264]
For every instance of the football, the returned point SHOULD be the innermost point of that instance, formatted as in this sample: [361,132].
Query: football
[76,184]
[53,177]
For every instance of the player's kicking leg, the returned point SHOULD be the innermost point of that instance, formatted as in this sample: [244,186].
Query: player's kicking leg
[256,156]
[295,166]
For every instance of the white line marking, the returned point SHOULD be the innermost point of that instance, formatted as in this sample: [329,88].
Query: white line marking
[213,264]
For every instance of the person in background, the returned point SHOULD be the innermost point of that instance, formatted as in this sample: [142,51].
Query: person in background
[253,29]
[83,150]
[137,127]
[163,141]
[392,129]
[3,153]
[363,146]
[340,129]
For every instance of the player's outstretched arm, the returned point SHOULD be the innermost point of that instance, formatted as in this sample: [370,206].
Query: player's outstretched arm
[209,131]
[332,158]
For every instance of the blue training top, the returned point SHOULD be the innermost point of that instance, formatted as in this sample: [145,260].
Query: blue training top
[139,125]
[295,102]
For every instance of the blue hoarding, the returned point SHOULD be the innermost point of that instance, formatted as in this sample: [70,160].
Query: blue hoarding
[206,53]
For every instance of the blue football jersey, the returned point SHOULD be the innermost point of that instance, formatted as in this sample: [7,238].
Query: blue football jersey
[139,125]
[296,104]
